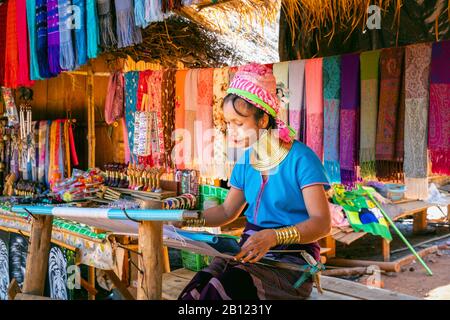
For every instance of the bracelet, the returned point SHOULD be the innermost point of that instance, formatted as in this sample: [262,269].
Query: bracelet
[287,235]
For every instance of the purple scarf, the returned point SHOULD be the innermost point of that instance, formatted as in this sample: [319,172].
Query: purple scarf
[349,124]
[53,36]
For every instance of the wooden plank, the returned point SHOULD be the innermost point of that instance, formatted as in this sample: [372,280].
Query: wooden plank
[420,221]
[91,281]
[88,287]
[37,259]
[329,295]
[359,291]
[90,118]
[386,249]
[24,296]
[150,245]
[329,242]
[351,237]
[387,266]
[13,289]
[121,287]
[166,261]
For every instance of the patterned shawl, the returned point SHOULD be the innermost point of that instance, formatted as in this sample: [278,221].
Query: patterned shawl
[439,116]
[180,77]
[281,73]
[191,96]
[417,77]
[127,32]
[369,110]
[93,40]
[389,114]
[41,27]
[23,78]
[53,36]
[2,41]
[80,35]
[66,53]
[114,102]
[349,116]
[168,113]
[296,95]
[314,105]
[131,86]
[153,11]
[331,101]
[11,50]
[106,24]
[32,33]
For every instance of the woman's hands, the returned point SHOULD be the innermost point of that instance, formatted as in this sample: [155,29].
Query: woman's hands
[257,246]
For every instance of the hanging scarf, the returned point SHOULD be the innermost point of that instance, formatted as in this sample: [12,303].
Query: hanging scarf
[331,102]
[369,107]
[349,116]
[153,11]
[417,77]
[68,168]
[114,103]
[191,96]
[41,28]
[11,49]
[387,162]
[66,53]
[180,77]
[47,153]
[143,120]
[131,85]
[2,42]
[220,86]
[32,39]
[168,113]
[73,150]
[156,108]
[127,32]
[23,78]
[106,24]
[281,73]
[53,36]
[314,106]
[42,150]
[139,13]
[92,29]
[439,116]
[204,133]
[296,95]
[80,34]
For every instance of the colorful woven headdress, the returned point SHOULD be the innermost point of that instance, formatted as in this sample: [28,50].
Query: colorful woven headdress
[256,84]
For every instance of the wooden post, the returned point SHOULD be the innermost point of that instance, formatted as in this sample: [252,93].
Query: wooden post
[91,282]
[151,261]
[37,259]
[386,249]
[448,213]
[329,242]
[91,118]
[420,221]
[166,260]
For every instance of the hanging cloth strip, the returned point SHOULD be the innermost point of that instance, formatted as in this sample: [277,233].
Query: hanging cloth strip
[68,169]
[80,34]
[204,129]
[153,11]
[220,86]
[281,73]
[180,77]
[131,86]
[41,29]
[33,163]
[92,29]
[23,78]
[191,96]
[417,77]
[296,95]
[127,32]
[168,113]
[439,116]
[391,62]
[32,39]
[106,25]
[349,118]
[47,153]
[10,105]
[314,106]
[369,110]
[155,107]
[73,150]
[143,120]
[114,102]
[331,106]
[11,50]
[53,36]
[66,53]
[2,42]
[42,150]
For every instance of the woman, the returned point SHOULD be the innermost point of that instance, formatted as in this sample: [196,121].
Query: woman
[283,183]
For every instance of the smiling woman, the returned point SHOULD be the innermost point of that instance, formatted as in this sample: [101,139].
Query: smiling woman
[283,182]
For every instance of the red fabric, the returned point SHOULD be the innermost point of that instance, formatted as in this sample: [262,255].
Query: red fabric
[73,150]
[11,50]
[23,76]
[2,41]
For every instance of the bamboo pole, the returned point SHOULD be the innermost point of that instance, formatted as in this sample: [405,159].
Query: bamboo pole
[91,118]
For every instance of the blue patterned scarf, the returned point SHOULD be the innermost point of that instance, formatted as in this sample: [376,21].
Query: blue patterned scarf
[93,40]
[41,27]
[66,53]
[80,33]
[131,86]
[31,22]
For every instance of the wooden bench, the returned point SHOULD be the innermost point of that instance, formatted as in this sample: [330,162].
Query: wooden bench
[334,289]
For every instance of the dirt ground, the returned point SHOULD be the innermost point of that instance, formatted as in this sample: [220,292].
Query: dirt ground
[413,279]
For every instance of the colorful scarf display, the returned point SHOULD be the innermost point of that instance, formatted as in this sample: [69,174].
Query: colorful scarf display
[106,25]
[32,33]
[281,73]
[23,77]
[11,49]
[42,44]
[180,78]
[127,32]
[131,85]
[220,86]
[387,156]
[191,96]
[66,53]
[349,116]
[417,79]
[53,36]
[369,110]
[93,40]
[331,102]
[114,102]
[80,34]
[314,105]
[296,96]
[439,115]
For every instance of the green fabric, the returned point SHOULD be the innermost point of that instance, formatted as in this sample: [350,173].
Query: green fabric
[369,64]
[361,212]
[255,99]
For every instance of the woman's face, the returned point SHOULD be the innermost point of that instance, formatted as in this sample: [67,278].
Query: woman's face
[242,129]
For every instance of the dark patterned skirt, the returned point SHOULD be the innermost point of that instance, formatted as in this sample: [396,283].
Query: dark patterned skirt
[230,280]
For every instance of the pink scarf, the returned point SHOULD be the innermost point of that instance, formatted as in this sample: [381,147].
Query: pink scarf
[114,103]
